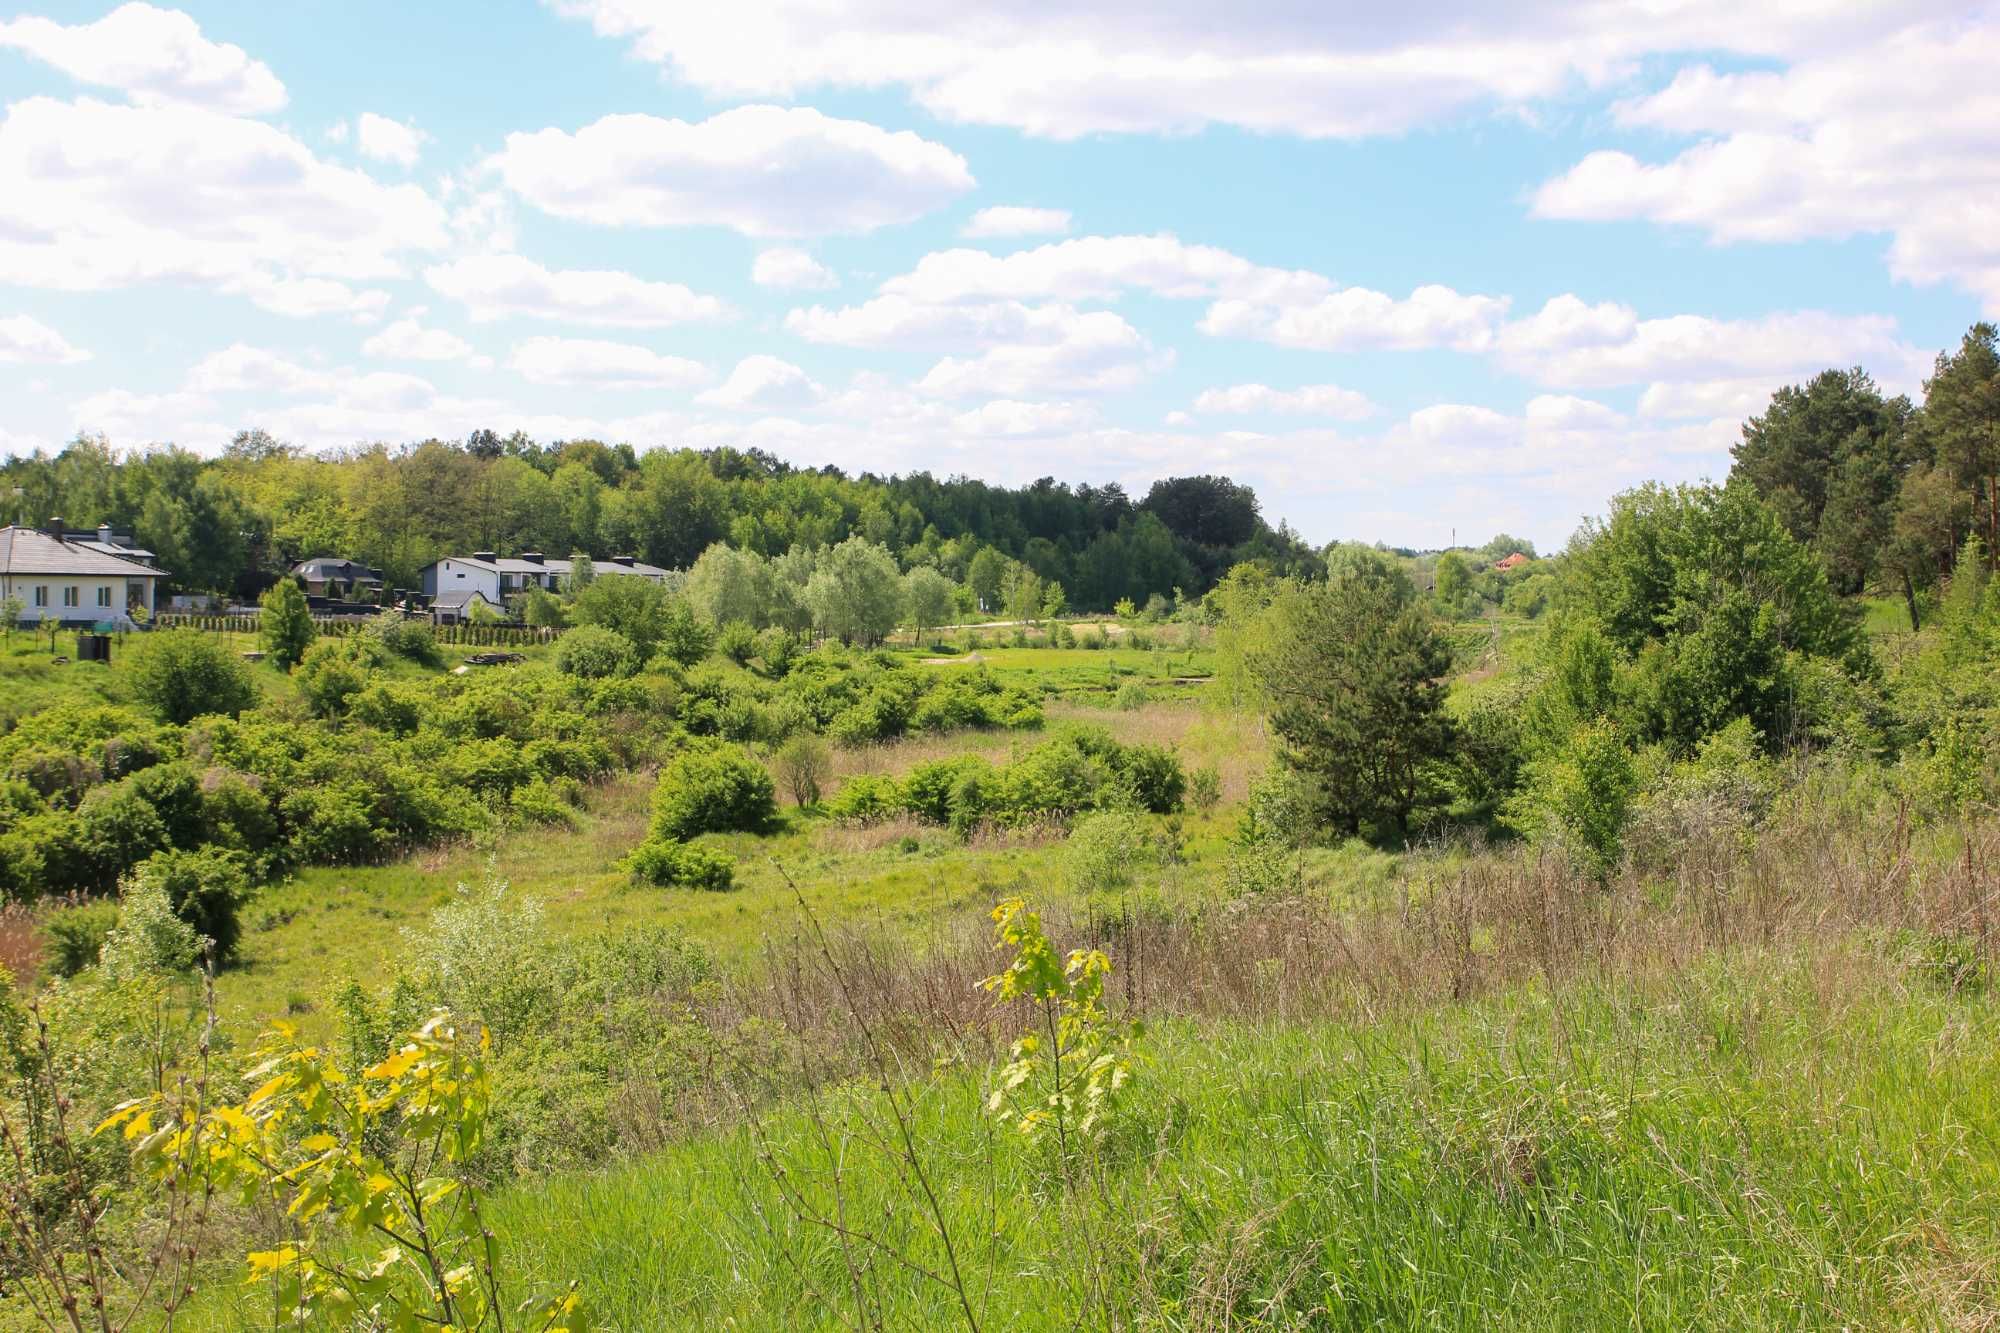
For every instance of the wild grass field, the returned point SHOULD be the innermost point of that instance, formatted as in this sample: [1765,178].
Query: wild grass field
[1660,1023]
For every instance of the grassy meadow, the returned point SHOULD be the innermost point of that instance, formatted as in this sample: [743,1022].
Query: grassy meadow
[1742,1083]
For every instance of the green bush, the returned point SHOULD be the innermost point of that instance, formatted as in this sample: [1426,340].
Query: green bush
[1581,796]
[183,673]
[286,628]
[668,864]
[804,765]
[1106,850]
[402,636]
[207,889]
[333,671]
[737,641]
[388,707]
[72,937]
[715,790]
[864,798]
[594,652]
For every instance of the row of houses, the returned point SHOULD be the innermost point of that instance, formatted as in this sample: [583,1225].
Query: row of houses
[101,576]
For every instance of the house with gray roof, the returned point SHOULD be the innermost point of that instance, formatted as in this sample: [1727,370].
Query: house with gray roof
[500,577]
[72,581]
[341,580]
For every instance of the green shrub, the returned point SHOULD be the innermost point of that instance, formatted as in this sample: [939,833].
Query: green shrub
[388,707]
[402,636]
[235,814]
[737,641]
[1581,797]
[927,789]
[864,798]
[332,672]
[207,889]
[777,649]
[286,628]
[594,652]
[183,673]
[668,864]
[1107,848]
[72,937]
[1204,788]
[712,791]
[1131,697]
[804,766]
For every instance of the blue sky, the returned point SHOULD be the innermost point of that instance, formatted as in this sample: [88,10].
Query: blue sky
[1408,274]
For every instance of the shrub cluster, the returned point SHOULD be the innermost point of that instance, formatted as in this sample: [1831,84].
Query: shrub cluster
[1079,769]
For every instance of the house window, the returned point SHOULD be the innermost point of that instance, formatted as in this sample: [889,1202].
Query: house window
[104,595]
[69,596]
[41,594]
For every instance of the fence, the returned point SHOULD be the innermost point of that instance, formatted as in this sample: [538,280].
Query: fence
[490,636]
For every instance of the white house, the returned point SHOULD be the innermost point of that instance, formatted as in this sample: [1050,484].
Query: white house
[497,577]
[72,582]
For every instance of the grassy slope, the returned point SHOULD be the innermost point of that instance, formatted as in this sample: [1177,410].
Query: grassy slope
[1772,1142]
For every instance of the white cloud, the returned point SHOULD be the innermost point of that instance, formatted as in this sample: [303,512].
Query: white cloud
[27,340]
[1009,417]
[241,368]
[408,340]
[762,170]
[1571,344]
[95,196]
[792,269]
[184,418]
[1013,220]
[151,55]
[1100,266]
[306,298]
[1898,136]
[1320,400]
[503,286]
[388,140]
[1269,65]
[588,363]
[897,321]
[1095,352]
[1356,317]
[764,383]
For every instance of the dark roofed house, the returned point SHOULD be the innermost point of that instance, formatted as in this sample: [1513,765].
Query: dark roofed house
[72,581]
[338,579]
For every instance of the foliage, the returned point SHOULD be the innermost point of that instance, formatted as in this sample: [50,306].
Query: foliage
[1106,849]
[1580,797]
[333,671]
[855,594]
[594,652]
[207,888]
[357,1157]
[403,636]
[667,864]
[712,789]
[804,766]
[286,628]
[182,674]
[634,607]
[1354,673]
[1068,1072]
[74,935]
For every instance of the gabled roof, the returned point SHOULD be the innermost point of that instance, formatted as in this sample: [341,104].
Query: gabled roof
[333,567]
[30,551]
[460,596]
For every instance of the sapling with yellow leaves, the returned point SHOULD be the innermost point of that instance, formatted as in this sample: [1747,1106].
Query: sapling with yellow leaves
[1066,1072]
[366,1168]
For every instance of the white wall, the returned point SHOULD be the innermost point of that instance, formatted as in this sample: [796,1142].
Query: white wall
[449,575]
[87,588]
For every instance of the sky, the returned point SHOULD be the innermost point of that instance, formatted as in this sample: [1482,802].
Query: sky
[1411,271]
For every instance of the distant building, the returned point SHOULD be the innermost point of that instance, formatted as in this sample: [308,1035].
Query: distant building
[455,607]
[499,578]
[1514,561]
[104,538]
[340,580]
[73,581]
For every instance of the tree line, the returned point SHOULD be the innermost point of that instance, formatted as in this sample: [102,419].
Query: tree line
[235,523]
